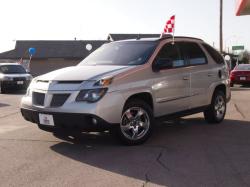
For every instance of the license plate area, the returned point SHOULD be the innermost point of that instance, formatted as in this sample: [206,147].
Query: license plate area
[46,119]
[19,82]
[242,78]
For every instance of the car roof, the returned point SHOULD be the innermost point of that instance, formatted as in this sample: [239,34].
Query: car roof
[166,36]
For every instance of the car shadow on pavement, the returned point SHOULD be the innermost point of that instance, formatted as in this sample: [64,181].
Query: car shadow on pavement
[4,104]
[188,152]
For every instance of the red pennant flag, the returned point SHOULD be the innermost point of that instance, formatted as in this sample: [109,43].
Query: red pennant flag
[169,28]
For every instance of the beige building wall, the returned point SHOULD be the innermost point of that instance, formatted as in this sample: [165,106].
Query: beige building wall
[39,67]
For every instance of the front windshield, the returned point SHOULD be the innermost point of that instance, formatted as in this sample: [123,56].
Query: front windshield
[121,53]
[243,67]
[12,69]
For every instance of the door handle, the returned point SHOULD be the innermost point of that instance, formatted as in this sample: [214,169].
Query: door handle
[186,78]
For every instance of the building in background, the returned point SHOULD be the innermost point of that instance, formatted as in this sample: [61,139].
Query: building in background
[51,55]
[243,7]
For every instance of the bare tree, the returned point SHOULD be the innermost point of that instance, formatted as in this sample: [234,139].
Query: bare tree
[244,57]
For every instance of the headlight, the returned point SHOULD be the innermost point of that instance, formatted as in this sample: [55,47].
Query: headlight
[92,95]
[104,81]
[8,78]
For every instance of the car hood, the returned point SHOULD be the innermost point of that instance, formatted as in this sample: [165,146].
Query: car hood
[14,75]
[81,73]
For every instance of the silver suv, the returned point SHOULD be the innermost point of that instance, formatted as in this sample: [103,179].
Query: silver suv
[13,76]
[124,86]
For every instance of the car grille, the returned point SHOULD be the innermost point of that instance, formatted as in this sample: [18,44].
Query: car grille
[19,79]
[59,99]
[38,98]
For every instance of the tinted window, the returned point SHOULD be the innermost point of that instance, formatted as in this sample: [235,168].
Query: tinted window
[121,53]
[193,53]
[169,57]
[12,69]
[214,54]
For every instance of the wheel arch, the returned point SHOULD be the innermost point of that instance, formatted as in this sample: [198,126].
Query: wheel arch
[218,87]
[144,96]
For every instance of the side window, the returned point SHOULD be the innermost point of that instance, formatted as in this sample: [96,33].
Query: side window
[214,54]
[169,57]
[193,53]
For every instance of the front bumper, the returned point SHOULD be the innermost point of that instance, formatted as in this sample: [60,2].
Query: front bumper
[15,84]
[68,121]
[108,108]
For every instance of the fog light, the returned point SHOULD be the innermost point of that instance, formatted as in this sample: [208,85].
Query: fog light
[94,121]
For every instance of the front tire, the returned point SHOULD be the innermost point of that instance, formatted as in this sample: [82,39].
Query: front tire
[136,123]
[215,113]
[2,89]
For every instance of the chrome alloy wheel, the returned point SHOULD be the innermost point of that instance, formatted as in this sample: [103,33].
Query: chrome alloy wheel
[135,123]
[220,106]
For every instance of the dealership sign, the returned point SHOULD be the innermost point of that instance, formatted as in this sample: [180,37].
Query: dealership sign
[238,47]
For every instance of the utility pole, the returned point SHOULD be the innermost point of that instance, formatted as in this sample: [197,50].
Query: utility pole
[221,26]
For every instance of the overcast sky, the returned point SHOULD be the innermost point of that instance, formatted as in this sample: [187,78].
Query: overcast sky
[94,19]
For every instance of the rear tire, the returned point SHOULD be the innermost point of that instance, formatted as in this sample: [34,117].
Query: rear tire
[215,113]
[136,123]
[231,84]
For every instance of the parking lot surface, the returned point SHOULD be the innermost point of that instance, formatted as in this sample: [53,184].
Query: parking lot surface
[185,152]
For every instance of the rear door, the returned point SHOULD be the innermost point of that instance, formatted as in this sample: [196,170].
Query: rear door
[199,71]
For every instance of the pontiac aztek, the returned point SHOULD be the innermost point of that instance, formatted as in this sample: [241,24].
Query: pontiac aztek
[125,85]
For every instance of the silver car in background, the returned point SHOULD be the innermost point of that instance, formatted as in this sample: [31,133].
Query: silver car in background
[13,76]
[125,86]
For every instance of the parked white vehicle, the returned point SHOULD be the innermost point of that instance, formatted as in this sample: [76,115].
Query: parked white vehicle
[126,85]
[13,76]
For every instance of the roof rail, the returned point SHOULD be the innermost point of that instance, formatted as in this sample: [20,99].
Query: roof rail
[166,36]
[187,37]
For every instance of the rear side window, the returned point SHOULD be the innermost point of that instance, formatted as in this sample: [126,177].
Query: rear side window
[170,57]
[214,54]
[193,53]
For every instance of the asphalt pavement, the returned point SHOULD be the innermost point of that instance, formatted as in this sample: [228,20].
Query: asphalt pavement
[185,152]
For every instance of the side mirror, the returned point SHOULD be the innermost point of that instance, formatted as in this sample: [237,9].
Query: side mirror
[162,63]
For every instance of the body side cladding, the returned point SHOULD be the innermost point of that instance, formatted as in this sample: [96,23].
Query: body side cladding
[181,114]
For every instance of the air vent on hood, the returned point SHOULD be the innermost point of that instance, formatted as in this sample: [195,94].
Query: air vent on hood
[69,82]
[42,81]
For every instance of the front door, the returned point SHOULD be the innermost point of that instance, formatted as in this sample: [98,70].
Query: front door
[172,82]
